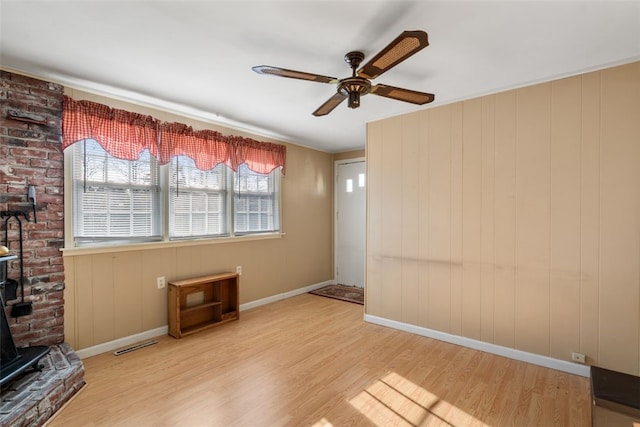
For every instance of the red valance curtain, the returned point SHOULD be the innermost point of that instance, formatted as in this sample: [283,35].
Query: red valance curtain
[122,134]
[125,135]
[260,157]
[178,139]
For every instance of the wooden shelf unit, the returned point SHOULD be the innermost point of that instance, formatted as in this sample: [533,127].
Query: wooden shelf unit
[202,302]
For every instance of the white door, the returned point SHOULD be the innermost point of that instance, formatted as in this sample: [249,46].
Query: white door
[350,222]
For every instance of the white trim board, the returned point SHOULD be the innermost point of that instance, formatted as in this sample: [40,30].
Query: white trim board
[511,353]
[164,330]
[121,342]
[285,295]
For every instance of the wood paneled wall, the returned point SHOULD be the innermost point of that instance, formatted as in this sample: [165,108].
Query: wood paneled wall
[111,293]
[514,218]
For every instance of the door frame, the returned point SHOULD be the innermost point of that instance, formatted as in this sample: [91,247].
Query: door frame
[335,215]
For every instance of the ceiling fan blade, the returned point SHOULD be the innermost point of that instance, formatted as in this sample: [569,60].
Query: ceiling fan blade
[330,104]
[405,45]
[405,95]
[283,72]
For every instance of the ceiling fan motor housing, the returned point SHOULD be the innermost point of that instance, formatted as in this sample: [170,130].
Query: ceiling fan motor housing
[353,88]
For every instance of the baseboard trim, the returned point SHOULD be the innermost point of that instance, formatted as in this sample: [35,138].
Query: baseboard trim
[121,342]
[164,330]
[284,295]
[511,353]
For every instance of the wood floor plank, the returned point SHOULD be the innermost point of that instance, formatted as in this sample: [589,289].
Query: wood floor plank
[313,361]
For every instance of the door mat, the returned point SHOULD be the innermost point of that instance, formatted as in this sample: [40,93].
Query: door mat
[342,292]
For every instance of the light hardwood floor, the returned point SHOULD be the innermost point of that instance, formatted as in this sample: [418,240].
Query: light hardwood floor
[310,360]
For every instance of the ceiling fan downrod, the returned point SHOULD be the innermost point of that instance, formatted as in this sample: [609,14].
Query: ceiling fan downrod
[353,87]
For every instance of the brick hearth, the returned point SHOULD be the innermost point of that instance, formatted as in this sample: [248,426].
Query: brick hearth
[33,398]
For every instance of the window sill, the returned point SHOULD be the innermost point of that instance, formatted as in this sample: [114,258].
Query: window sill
[89,250]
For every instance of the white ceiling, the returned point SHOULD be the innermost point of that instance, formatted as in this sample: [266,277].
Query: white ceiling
[195,57]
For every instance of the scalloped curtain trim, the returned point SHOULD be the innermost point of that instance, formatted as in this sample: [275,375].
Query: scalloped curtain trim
[126,135]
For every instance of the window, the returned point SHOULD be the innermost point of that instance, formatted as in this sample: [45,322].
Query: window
[118,200]
[136,178]
[349,184]
[198,200]
[114,199]
[256,207]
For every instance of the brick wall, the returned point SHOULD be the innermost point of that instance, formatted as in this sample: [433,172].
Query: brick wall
[31,154]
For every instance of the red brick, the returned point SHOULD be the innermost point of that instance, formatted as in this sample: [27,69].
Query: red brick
[52,218]
[43,271]
[57,277]
[33,153]
[57,261]
[56,165]
[52,90]
[51,148]
[57,191]
[52,208]
[56,153]
[15,86]
[31,82]
[18,328]
[26,98]
[54,139]
[25,133]
[30,243]
[57,296]
[29,337]
[40,314]
[54,336]
[48,197]
[45,181]
[33,261]
[75,380]
[46,324]
[26,152]
[45,109]
[21,162]
[12,124]
[47,234]
[47,253]
[55,173]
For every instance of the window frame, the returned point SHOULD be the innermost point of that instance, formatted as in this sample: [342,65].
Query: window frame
[82,183]
[164,184]
[226,200]
[274,194]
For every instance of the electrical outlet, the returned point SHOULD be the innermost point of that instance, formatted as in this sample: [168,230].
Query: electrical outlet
[160,282]
[578,357]
[239,270]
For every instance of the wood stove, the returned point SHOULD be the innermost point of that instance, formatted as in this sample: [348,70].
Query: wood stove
[13,360]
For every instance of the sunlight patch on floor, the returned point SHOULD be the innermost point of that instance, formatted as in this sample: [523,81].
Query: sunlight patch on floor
[323,423]
[394,400]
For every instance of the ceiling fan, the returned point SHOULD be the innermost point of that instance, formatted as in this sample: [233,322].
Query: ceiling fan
[405,45]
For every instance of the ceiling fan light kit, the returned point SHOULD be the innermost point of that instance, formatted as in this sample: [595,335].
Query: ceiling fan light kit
[359,84]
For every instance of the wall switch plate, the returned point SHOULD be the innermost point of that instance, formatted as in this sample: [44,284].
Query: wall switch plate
[160,282]
[239,270]
[578,357]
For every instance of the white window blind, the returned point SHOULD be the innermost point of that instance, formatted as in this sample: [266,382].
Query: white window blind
[122,201]
[198,200]
[114,199]
[256,201]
